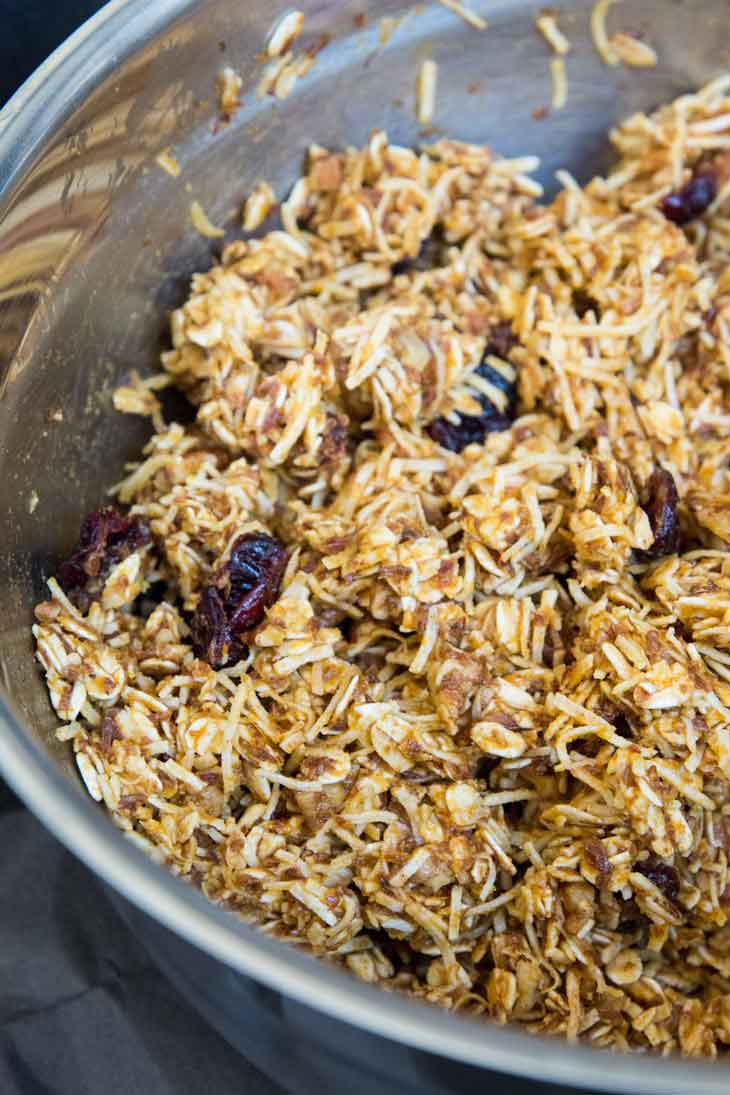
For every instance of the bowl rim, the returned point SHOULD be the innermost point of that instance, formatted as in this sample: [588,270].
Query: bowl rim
[34,113]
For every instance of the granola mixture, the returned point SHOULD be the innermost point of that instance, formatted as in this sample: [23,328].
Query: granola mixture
[414,647]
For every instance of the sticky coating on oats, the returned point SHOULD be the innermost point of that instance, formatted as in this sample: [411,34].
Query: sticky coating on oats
[470,734]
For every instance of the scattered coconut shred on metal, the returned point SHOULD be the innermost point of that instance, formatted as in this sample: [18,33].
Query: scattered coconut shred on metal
[415,647]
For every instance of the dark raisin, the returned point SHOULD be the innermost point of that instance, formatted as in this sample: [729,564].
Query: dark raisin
[236,599]
[664,877]
[660,502]
[211,636]
[253,576]
[469,429]
[691,200]
[107,537]
[402,266]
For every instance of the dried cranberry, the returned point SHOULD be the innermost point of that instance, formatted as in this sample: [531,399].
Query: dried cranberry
[473,428]
[664,877]
[107,536]
[236,599]
[211,636]
[469,430]
[693,199]
[660,502]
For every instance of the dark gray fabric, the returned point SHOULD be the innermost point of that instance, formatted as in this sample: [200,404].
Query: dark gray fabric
[82,1009]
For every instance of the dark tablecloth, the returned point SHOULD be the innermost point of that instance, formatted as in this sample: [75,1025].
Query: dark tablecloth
[82,1009]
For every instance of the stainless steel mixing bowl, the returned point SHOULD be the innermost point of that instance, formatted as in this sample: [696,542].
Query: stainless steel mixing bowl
[95,245]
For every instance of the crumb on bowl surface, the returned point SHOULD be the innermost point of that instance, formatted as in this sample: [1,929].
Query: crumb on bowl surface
[414,647]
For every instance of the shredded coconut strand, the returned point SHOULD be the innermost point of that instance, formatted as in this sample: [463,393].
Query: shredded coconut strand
[202,223]
[426,92]
[282,73]
[548,27]
[168,163]
[560,83]
[229,89]
[601,41]
[284,33]
[466,14]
